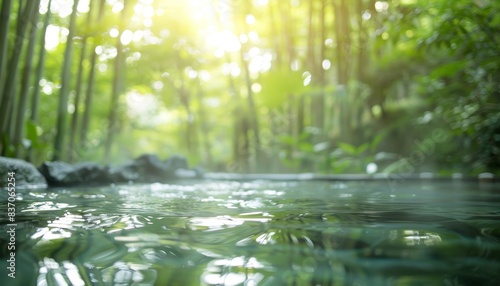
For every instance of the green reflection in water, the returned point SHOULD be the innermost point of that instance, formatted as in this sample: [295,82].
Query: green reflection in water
[257,233]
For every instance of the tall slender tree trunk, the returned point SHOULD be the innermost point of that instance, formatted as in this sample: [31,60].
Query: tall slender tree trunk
[301,103]
[205,130]
[311,62]
[240,151]
[291,123]
[342,31]
[4,33]
[35,99]
[88,100]
[9,90]
[118,85]
[90,85]
[275,34]
[311,46]
[252,109]
[185,99]
[287,31]
[252,112]
[116,91]
[26,76]
[78,92]
[318,100]
[361,64]
[240,148]
[242,139]
[346,34]
[76,103]
[64,92]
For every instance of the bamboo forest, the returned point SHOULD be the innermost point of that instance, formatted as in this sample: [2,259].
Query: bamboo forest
[250,142]
[246,86]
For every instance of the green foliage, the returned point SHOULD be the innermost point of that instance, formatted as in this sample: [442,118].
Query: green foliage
[464,90]
[32,133]
[277,85]
[345,94]
[9,149]
[302,152]
[354,159]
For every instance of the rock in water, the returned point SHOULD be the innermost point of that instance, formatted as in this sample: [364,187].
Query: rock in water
[175,162]
[92,173]
[151,169]
[147,168]
[27,176]
[60,173]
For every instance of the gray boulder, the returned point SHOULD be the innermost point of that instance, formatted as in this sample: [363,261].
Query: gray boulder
[26,175]
[150,168]
[147,168]
[124,173]
[92,173]
[60,173]
[175,162]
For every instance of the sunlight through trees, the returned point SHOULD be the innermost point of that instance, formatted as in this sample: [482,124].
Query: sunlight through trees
[246,86]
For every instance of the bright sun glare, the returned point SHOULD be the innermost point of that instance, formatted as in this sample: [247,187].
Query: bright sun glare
[213,23]
[203,12]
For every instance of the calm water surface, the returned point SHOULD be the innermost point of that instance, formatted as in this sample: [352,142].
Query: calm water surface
[256,233]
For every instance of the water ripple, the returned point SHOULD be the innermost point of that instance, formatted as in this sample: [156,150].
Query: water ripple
[258,233]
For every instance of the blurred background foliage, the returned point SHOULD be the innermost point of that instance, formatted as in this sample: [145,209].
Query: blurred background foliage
[331,86]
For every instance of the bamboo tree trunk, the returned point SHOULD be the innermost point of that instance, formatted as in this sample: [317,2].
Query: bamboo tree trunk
[253,123]
[64,92]
[342,29]
[185,100]
[311,64]
[90,85]
[35,99]
[117,89]
[311,55]
[346,35]
[189,140]
[118,85]
[287,32]
[88,100]
[291,124]
[11,114]
[339,100]
[4,33]
[11,79]
[78,92]
[338,38]
[274,35]
[205,130]
[318,101]
[300,114]
[26,76]
[361,65]
[239,153]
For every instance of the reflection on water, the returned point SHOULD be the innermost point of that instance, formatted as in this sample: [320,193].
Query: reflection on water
[256,233]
